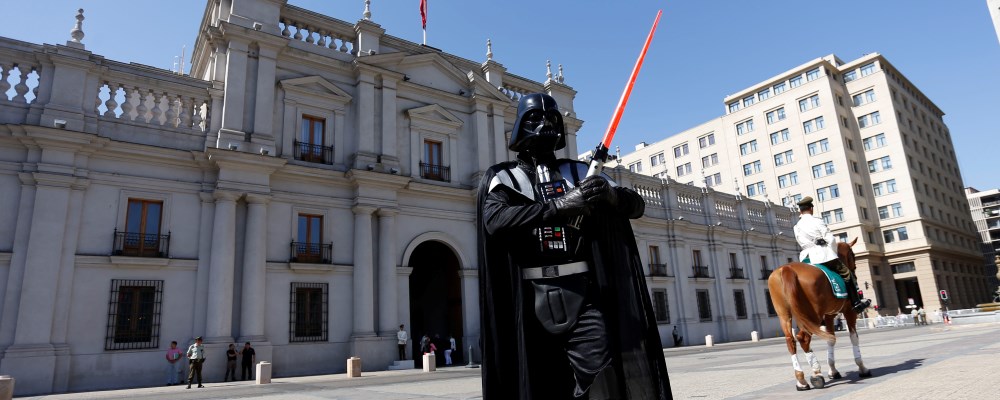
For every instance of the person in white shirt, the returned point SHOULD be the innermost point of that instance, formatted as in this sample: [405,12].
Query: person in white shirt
[196,357]
[449,350]
[402,337]
[816,241]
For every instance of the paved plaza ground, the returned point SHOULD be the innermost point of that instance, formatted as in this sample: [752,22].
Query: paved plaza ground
[923,362]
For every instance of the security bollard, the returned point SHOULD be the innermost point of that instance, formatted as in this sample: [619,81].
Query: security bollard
[6,387]
[708,341]
[263,372]
[430,362]
[754,336]
[354,367]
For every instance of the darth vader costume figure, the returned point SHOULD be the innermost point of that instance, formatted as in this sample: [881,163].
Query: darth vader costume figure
[564,305]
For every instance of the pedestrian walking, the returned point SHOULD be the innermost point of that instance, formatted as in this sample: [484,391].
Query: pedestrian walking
[230,363]
[196,358]
[173,364]
[249,357]
[449,350]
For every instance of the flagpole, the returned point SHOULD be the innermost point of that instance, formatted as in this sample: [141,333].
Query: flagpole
[427,7]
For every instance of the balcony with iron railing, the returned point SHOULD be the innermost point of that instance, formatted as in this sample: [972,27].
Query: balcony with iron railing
[700,271]
[136,244]
[435,172]
[311,253]
[659,270]
[765,273]
[313,153]
[736,273]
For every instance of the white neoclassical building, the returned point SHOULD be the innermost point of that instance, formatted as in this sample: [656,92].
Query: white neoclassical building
[308,187]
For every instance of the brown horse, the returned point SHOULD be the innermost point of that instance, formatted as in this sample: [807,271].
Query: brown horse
[803,291]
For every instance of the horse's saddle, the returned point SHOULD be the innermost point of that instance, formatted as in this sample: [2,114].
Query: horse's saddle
[836,281]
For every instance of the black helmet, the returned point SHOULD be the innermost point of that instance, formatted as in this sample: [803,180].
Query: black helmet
[539,125]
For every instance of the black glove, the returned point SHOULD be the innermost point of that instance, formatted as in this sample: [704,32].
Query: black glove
[572,204]
[598,191]
[821,242]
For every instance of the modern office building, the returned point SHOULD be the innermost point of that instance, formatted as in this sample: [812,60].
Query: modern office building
[308,187]
[985,209]
[869,147]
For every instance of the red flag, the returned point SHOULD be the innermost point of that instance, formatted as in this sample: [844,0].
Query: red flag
[423,13]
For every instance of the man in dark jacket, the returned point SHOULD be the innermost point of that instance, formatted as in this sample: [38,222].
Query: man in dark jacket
[564,306]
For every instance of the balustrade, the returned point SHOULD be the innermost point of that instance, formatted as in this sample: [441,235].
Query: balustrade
[310,28]
[127,102]
[20,77]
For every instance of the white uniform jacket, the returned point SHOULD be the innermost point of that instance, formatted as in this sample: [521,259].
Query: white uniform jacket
[807,230]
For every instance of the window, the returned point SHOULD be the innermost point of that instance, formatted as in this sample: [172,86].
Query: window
[684,169]
[704,305]
[770,305]
[874,142]
[310,146]
[867,69]
[734,107]
[880,164]
[751,168]
[656,159]
[660,309]
[681,150]
[883,212]
[788,179]
[778,88]
[823,169]
[710,160]
[713,180]
[794,82]
[309,248]
[903,268]
[819,147]
[744,127]
[706,140]
[764,94]
[142,231]
[886,187]
[134,314]
[841,237]
[748,147]
[635,167]
[780,136]
[838,216]
[812,74]
[831,192]
[748,101]
[741,304]
[308,312]
[850,76]
[809,103]
[776,115]
[783,158]
[865,97]
[865,121]
[827,217]
[892,235]
[755,189]
[432,166]
[814,124]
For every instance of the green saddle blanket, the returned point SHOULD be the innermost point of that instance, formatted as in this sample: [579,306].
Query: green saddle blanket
[836,281]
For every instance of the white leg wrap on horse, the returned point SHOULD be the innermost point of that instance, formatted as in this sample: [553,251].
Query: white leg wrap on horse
[795,363]
[829,354]
[813,362]
[855,347]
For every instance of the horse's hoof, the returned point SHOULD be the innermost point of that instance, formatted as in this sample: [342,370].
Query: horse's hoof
[835,376]
[866,374]
[817,382]
[802,388]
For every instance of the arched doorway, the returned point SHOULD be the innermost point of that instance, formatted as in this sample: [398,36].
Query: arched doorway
[435,299]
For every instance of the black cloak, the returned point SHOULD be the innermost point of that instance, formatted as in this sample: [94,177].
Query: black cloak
[511,371]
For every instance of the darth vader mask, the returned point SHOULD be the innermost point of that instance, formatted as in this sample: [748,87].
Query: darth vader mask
[539,125]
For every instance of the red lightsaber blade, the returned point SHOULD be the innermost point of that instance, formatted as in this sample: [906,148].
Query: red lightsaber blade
[601,154]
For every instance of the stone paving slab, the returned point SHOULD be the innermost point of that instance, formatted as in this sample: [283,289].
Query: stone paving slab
[926,362]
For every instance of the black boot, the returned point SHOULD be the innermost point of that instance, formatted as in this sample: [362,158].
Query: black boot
[857,303]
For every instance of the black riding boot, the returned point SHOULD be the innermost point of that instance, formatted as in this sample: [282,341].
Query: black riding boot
[857,303]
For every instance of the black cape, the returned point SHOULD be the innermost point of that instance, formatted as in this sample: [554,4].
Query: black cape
[634,341]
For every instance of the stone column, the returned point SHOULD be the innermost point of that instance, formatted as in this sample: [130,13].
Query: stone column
[482,127]
[254,270]
[470,310]
[263,124]
[218,324]
[364,284]
[366,120]
[499,136]
[389,121]
[388,316]
[235,94]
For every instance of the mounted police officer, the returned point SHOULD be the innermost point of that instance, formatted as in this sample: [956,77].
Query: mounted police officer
[816,241]
[564,304]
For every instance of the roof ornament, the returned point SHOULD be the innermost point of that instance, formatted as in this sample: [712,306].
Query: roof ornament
[489,50]
[77,32]
[368,10]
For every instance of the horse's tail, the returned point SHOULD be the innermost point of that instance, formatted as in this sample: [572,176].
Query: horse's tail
[801,309]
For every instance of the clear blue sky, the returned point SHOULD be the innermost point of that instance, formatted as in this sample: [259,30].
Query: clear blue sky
[703,50]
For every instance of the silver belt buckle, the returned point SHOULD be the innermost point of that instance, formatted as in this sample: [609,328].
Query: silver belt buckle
[550,271]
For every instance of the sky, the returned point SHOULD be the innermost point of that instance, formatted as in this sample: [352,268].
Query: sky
[702,51]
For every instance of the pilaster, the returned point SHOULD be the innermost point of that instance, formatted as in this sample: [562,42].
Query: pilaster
[219,316]
[263,124]
[364,284]
[253,300]
[235,94]
[388,303]
[389,156]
